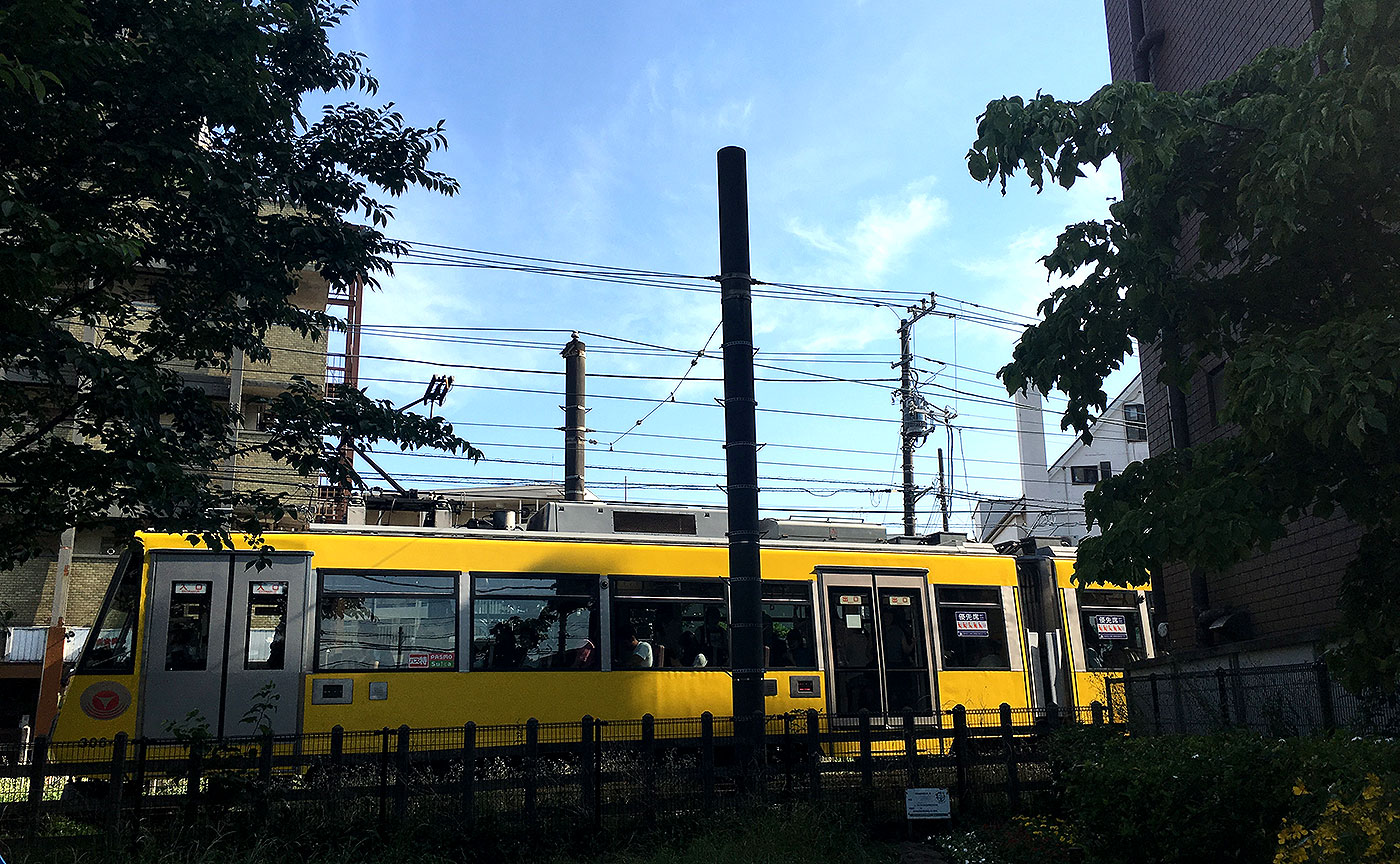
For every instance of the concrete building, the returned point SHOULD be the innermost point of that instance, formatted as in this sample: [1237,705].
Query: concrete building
[1052,499]
[1275,607]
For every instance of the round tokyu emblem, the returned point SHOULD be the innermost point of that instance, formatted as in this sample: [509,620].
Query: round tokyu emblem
[105,700]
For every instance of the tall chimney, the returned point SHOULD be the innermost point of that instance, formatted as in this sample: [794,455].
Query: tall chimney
[1030,443]
[574,426]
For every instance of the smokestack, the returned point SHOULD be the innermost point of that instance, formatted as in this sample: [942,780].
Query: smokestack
[574,411]
[1030,442]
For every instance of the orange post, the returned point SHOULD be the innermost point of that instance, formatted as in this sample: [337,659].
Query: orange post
[50,680]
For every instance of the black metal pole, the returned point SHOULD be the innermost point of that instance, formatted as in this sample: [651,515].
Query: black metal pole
[741,455]
[574,425]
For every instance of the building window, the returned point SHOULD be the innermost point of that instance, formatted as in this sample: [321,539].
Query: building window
[972,628]
[789,638]
[1135,420]
[669,623]
[534,621]
[384,620]
[1084,475]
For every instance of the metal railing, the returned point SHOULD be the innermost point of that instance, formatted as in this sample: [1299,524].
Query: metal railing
[534,774]
[1288,700]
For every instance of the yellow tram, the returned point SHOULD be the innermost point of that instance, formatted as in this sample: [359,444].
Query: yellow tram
[371,626]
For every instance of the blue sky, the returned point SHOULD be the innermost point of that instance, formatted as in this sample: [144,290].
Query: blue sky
[587,132]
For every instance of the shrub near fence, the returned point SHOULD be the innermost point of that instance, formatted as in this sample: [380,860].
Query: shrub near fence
[539,776]
[1237,796]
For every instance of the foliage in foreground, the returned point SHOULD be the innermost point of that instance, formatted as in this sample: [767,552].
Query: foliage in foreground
[1259,230]
[170,193]
[1237,797]
[796,835]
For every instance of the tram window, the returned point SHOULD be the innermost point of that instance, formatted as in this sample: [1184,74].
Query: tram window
[670,623]
[1112,629]
[789,636]
[266,636]
[972,628]
[522,622]
[187,634]
[111,646]
[386,621]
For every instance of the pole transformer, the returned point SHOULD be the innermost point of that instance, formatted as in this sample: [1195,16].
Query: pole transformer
[741,455]
[912,425]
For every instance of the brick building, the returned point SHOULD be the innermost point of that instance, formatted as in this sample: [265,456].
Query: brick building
[1275,607]
[26,592]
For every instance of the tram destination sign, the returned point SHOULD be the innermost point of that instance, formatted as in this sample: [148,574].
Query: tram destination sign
[1111,626]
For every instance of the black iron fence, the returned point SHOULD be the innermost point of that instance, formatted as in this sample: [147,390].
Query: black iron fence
[1297,699]
[535,774]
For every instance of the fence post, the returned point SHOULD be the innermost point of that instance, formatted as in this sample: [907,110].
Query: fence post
[960,756]
[469,775]
[598,769]
[38,773]
[1223,697]
[1156,705]
[867,766]
[194,780]
[337,760]
[814,753]
[648,765]
[138,793]
[383,775]
[789,758]
[401,774]
[1008,741]
[1096,711]
[587,782]
[1177,699]
[911,749]
[264,774]
[1108,696]
[1324,696]
[707,759]
[532,767]
[867,758]
[116,779]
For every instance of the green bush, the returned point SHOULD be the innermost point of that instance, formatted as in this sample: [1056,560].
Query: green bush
[1187,799]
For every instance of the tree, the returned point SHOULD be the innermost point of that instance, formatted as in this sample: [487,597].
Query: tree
[1261,223]
[162,197]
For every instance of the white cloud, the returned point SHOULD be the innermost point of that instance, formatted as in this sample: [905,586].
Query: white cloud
[885,232]
[883,235]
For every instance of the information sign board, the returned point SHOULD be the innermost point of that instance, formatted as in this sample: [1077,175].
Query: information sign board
[928,803]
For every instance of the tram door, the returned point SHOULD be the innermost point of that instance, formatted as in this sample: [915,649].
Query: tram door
[225,638]
[878,645]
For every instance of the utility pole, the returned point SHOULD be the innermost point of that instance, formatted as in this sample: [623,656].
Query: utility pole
[741,456]
[942,491]
[913,422]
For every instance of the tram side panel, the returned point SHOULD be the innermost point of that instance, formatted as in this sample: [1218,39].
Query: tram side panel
[374,631]
[1106,628]
[101,697]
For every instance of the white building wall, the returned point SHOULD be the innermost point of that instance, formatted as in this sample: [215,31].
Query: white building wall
[1119,440]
